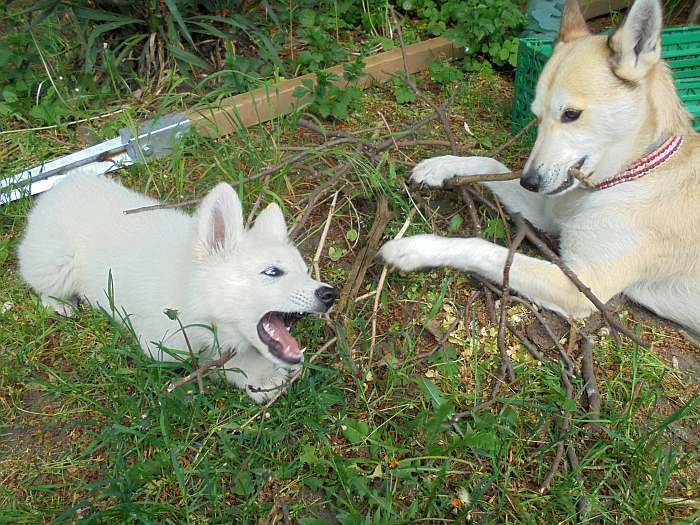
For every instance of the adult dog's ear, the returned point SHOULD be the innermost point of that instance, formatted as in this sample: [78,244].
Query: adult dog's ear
[636,45]
[573,25]
[270,223]
[220,219]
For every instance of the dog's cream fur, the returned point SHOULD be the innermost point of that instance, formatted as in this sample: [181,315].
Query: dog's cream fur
[640,238]
[208,267]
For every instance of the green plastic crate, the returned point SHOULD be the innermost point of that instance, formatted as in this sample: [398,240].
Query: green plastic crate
[680,49]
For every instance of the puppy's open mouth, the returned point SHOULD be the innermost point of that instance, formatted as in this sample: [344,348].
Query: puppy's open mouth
[273,330]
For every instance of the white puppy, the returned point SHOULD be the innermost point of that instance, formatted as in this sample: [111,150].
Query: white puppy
[232,288]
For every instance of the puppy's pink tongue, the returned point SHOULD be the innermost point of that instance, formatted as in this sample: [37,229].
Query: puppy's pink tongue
[279,332]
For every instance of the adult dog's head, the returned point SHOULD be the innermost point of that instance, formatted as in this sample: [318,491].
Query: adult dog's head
[602,101]
[252,284]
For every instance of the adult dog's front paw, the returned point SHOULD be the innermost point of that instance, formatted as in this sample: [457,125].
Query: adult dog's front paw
[434,172]
[438,170]
[409,254]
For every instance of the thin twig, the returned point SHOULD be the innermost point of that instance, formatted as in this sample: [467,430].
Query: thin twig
[548,330]
[529,345]
[495,153]
[313,197]
[553,468]
[200,383]
[225,357]
[164,206]
[615,325]
[312,126]
[505,358]
[380,286]
[588,375]
[55,126]
[446,336]
[461,180]
[296,158]
[439,111]
[322,241]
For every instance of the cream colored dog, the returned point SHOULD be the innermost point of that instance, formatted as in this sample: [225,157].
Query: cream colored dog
[608,106]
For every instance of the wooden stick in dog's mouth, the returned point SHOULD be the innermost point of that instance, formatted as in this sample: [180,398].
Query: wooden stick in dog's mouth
[462,180]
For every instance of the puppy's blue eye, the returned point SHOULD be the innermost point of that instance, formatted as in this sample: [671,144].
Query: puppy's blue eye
[272,271]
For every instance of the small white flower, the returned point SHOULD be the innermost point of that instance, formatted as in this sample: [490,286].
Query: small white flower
[463,495]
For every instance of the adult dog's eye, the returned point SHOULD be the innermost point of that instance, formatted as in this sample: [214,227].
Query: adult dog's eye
[570,115]
[273,271]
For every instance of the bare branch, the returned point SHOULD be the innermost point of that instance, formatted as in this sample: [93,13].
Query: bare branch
[615,324]
[588,374]
[225,357]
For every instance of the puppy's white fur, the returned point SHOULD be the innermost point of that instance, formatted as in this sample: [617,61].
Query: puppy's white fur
[640,238]
[79,245]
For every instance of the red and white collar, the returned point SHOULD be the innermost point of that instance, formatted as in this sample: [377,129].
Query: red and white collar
[646,164]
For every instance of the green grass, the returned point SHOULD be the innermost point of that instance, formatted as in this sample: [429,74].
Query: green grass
[87,430]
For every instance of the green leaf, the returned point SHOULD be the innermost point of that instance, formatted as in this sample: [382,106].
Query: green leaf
[483,441]
[355,431]
[172,6]
[404,94]
[243,483]
[334,253]
[352,235]
[309,455]
[431,392]
[300,91]
[340,110]
[188,57]
[307,17]
[97,15]
[455,224]
[9,95]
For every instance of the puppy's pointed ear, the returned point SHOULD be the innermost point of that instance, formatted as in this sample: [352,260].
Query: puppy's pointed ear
[636,46]
[270,223]
[573,25]
[220,219]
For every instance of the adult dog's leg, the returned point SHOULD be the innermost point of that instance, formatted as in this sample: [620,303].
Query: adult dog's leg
[540,281]
[436,171]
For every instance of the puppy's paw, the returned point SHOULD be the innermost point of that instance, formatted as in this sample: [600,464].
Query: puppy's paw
[434,172]
[409,254]
[258,395]
[264,388]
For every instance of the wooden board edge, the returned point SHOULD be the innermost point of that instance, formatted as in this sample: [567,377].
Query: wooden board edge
[266,103]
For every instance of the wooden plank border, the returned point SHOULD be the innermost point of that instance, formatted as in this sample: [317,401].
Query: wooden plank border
[267,103]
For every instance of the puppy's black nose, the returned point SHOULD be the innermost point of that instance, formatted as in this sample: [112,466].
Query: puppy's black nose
[530,181]
[327,295]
